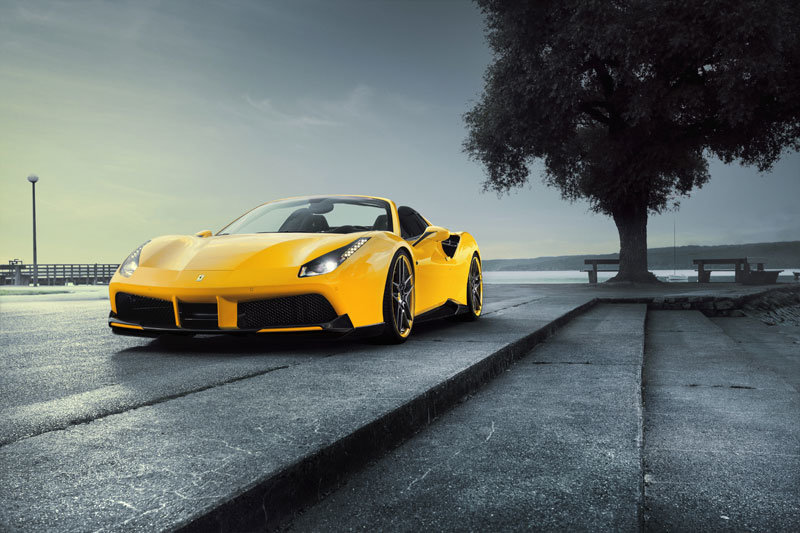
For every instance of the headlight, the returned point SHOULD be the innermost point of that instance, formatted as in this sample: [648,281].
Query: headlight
[328,262]
[131,262]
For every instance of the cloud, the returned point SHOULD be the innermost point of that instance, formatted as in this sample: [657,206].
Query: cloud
[275,115]
[409,105]
[112,22]
[355,106]
[361,104]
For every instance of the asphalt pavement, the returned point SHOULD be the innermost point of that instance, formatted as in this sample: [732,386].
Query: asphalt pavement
[111,432]
[99,432]
[62,366]
[722,425]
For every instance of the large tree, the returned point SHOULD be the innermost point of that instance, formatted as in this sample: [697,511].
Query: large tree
[622,101]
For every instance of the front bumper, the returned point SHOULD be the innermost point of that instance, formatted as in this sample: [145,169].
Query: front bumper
[354,289]
[341,325]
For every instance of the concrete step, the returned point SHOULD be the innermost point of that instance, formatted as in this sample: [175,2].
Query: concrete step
[242,454]
[552,444]
[722,439]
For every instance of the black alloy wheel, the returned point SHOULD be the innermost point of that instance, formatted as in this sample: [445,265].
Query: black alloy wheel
[474,289]
[398,300]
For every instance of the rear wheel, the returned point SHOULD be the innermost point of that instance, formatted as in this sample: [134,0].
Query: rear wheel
[474,290]
[398,300]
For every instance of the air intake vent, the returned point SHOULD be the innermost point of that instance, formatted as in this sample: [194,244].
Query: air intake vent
[198,316]
[145,311]
[450,245]
[303,310]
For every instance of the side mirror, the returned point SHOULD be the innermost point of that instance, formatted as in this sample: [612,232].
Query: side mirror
[204,233]
[438,233]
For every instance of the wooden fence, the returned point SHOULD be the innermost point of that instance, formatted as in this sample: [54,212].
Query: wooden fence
[58,274]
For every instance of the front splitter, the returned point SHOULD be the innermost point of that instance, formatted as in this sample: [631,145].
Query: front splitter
[339,326]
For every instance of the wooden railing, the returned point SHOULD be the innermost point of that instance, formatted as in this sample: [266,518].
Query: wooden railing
[58,274]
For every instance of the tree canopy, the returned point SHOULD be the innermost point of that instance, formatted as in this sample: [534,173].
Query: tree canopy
[623,101]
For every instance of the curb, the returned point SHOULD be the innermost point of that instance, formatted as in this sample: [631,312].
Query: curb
[272,501]
[706,304]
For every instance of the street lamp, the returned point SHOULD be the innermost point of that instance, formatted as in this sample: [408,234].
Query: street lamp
[33,178]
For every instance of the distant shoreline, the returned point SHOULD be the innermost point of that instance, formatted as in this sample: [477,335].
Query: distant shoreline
[772,254]
[576,276]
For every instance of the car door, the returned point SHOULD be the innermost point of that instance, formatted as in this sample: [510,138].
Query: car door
[433,269]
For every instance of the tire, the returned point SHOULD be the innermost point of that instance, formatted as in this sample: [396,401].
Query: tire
[474,290]
[398,300]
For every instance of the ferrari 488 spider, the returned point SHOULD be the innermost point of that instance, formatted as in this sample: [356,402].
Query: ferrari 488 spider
[333,264]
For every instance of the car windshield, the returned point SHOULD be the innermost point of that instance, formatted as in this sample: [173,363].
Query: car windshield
[334,214]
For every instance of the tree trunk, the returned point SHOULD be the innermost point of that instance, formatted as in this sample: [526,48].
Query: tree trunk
[631,221]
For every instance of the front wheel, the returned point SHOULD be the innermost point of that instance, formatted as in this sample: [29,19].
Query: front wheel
[474,290]
[398,300]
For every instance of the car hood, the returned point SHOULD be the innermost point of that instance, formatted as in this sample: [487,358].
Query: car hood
[240,252]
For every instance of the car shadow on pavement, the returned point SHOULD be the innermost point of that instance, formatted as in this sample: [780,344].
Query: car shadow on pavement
[284,344]
[245,345]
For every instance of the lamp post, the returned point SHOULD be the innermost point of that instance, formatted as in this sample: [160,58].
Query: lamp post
[33,178]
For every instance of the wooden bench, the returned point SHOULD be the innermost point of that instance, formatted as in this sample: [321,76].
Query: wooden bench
[594,270]
[740,268]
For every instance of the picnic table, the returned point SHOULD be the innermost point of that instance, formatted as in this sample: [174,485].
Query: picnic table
[740,268]
[743,273]
[594,270]
[762,276]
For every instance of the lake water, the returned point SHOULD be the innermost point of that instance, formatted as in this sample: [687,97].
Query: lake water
[574,276]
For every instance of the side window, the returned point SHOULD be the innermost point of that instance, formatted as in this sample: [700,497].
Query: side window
[411,223]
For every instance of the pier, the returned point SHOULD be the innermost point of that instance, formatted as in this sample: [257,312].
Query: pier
[17,273]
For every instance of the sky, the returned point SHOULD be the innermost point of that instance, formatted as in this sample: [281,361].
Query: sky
[145,118]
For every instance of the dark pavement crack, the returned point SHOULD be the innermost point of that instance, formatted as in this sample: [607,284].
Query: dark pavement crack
[513,306]
[561,363]
[721,386]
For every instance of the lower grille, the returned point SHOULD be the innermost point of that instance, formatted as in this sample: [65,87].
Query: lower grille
[198,316]
[303,310]
[145,311]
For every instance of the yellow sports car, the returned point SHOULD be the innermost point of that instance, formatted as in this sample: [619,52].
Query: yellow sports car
[335,264]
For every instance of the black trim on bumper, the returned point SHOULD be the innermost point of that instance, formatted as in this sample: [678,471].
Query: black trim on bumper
[341,325]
